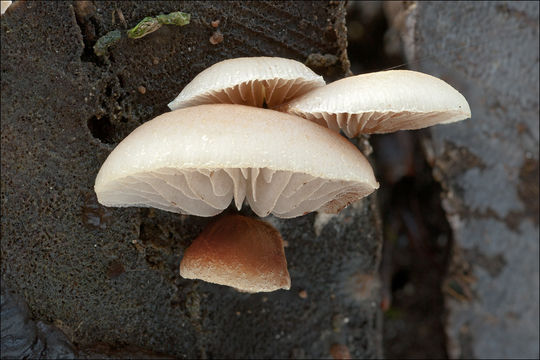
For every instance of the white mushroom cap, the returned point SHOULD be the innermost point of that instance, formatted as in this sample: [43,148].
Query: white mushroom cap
[381,102]
[196,160]
[240,252]
[4,5]
[249,81]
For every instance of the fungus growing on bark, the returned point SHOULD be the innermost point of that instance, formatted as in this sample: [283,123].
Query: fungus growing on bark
[381,102]
[197,160]
[4,5]
[240,252]
[249,81]
[212,149]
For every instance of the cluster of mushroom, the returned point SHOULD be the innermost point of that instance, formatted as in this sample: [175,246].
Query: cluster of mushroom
[250,129]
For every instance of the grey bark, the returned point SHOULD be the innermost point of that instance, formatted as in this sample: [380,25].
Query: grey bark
[488,166]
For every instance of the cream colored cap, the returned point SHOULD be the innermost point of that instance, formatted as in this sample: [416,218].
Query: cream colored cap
[196,160]
[4,6]
[381,102]
[249,81]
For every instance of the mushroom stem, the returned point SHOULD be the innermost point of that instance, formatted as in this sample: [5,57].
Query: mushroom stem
[240,252]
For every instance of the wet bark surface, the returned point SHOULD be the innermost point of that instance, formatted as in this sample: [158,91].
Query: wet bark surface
[107,277]
[488,167]
[416,233]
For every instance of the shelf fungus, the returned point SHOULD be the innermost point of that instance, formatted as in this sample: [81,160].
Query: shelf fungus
[238,251]
[199,159]
[253,81]
[381,102]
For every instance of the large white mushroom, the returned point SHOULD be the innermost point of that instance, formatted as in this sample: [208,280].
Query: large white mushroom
[381,102]
[197,160]
[249,81]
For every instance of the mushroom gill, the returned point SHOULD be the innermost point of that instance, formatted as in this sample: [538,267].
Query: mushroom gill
[249,81]
[381,102]
[197,160]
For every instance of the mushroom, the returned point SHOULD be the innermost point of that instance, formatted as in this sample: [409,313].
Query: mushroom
[249,81]
[212,149]
[381,102]
[240,252]
[196,160]
[4,5]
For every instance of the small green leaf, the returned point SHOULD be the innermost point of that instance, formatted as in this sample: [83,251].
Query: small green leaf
[144,27]
[175,18]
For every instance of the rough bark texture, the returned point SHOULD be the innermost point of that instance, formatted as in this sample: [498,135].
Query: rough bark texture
[488,167]
[106,275]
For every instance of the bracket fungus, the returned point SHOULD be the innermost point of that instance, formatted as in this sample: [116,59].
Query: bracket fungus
[240,252]
[381,102]
[198,159]
[249,81]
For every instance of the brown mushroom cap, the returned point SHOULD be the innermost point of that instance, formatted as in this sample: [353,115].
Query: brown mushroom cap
[381,102]
[249,81]
[240,252]
[196,160]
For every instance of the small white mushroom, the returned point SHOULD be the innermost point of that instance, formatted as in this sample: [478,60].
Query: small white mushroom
[4,5]
[381,102]
[249,81]
[240,252]
[197,160]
